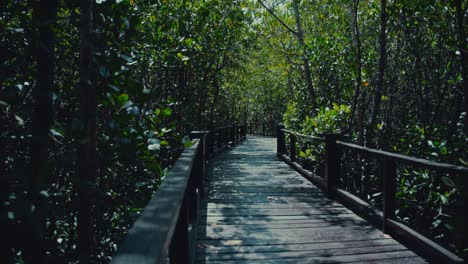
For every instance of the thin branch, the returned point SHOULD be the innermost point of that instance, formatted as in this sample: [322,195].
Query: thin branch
[277,18]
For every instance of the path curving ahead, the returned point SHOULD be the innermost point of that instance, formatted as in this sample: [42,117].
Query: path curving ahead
[259,210]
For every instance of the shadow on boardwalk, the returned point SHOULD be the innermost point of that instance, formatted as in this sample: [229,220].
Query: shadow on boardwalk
[258,210]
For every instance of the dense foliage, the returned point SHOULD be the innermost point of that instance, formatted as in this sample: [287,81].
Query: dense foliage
[155,68]
[97,97]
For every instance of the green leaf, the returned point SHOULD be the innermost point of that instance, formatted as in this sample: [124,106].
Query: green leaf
[448,182]
[19,120]
[167,112]
[123,98]
[11,215]
[56,132]
[430,143]
[443,151]
[154,146]
[104,72]
[126,105]
[443,199]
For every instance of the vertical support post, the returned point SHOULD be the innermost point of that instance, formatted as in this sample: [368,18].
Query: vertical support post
[387,169]
[225,136]
[179,250]
[209,145]
[200,166]
[332,163]
[241,132]
[292,147]
[218,140]
[236,133]
[462,217]
[280,144]
[233,134]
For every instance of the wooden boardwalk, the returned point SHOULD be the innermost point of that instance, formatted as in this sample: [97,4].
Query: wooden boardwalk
[259,210]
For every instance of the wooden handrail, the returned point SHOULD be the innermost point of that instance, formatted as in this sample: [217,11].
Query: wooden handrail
[388,162]
[151,235]
[303,136]
[161,232]
[417,162]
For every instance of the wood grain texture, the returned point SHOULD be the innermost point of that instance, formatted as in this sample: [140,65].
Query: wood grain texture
[259,210]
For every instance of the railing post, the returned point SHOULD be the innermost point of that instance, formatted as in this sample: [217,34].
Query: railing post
[241,132]
[387,169]
[225,136]
[236,133]
[201,160]
[280,144]
[179,250]
[462,217]
[218,140]
[332,163]
[233,134]
[292,147]
[209,145]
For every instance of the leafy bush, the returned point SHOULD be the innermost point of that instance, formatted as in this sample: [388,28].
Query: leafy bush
[327,120]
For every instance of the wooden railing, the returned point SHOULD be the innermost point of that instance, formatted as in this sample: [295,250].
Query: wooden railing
[166,230]
[265,129]
[387,163]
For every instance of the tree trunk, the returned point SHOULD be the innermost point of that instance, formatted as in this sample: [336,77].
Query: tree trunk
[44,16]
[305,59]
[356,107]
[382,64]
[461,42]
[87,168]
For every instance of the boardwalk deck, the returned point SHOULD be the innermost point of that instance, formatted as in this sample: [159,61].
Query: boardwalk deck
[258,210]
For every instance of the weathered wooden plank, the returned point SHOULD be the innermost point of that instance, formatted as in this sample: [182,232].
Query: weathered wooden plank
[236,206]
[275,211]
[304,190]
[311,253]
[275,219]
[391,258]
[247,195]
[291,235]
[219,249]
[270,199]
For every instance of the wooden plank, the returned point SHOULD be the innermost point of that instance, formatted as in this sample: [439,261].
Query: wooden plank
[234,206]
[219,231]
[311,253]
[303,190]
[273,225]
[375,258]
[275,218]
[219,249]
[291,235]
[274,211]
